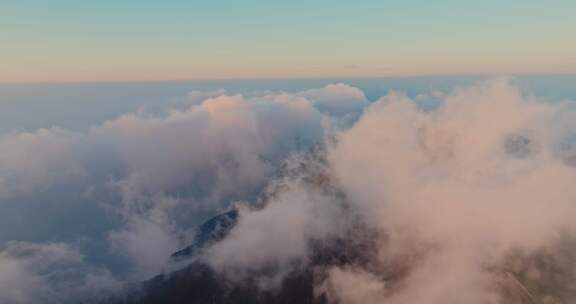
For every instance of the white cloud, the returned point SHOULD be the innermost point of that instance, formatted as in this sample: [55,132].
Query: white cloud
[162,173]
[453,192]
[337,99]
[475,180]
[459,186]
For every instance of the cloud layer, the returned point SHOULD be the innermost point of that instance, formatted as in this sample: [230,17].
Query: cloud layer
[450,197]
[463,200]
[129,192]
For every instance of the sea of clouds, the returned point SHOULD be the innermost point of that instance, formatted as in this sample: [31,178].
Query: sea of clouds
[452,192]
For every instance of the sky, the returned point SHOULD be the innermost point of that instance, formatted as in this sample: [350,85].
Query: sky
[126,124]
[110,40]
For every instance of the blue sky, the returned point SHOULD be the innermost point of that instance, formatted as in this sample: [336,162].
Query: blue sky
[107,40]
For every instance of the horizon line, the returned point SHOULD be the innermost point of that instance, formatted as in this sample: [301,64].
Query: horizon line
[280,78]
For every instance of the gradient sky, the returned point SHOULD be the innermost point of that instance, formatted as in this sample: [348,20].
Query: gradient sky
[107,40]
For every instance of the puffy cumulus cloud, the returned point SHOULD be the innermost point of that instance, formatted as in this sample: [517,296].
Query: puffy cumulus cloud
[160,153]
[154,177]
[469,202]
[49,273]
[212,145]
[463,187]
[197,97]
[482,158]
[338,99]
[207,156]
[223,146]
